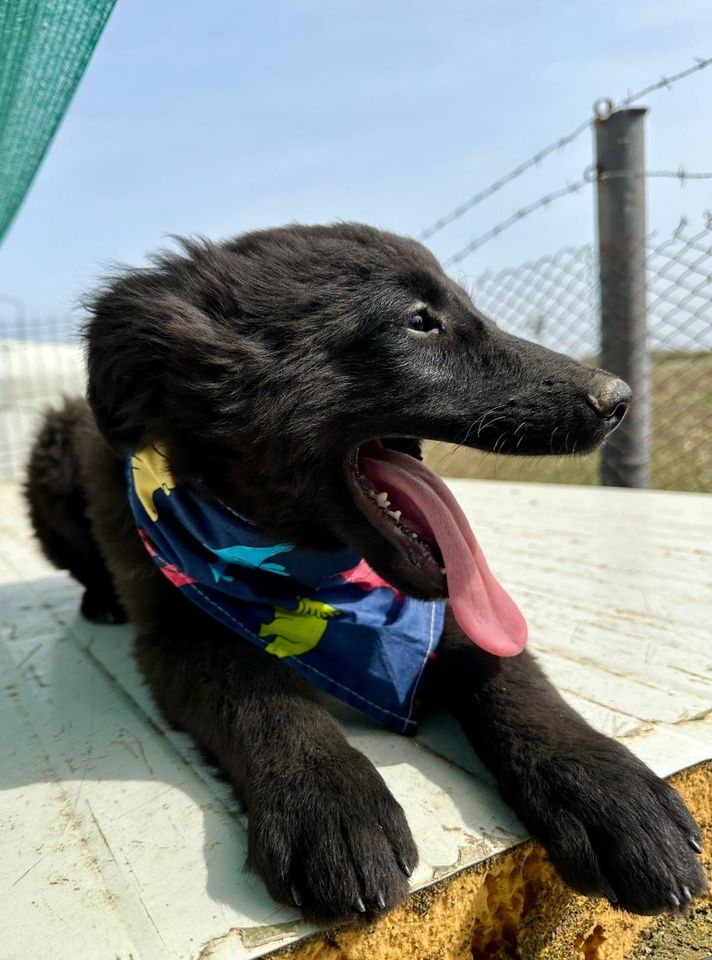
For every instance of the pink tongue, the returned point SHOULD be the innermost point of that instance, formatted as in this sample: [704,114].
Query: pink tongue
[484,610]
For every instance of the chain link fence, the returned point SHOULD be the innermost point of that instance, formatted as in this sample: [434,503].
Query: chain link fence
[40,360]
[555,301]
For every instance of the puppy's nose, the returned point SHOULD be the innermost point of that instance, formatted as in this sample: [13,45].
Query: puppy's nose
[610,398]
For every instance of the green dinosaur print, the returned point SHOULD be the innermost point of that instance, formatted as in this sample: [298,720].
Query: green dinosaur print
[300,630]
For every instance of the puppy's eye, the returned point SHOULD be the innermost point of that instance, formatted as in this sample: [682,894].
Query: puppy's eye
[423,322]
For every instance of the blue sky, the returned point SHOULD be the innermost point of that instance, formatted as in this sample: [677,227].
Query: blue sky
[218,117]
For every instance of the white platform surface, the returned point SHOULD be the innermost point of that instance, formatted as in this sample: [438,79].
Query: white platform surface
[116,840]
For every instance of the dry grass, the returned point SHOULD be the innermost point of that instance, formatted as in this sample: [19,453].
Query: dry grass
[681,456]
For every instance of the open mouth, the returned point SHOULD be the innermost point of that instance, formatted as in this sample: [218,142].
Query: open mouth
[394,512]
[413,509]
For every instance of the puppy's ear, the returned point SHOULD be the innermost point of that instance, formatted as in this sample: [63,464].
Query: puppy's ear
[124,359]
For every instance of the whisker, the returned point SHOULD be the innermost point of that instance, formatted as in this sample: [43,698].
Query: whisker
[482,426]
[480,420]
[494,447]
[461,443]
[455,448]
[471,428]
[444,453]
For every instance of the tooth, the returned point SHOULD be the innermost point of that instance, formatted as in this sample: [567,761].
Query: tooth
[396,514]
[443,571]
[381,499]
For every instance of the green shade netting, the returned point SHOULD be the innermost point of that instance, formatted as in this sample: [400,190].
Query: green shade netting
[45,46]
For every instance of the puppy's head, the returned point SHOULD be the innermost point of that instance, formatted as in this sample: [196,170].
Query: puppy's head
[293,372]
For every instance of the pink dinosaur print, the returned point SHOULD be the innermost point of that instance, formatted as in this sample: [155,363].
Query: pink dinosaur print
[365,577]
[169,570]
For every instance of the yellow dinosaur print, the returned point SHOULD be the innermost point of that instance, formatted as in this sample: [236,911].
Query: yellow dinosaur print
[297,631]
[151,473]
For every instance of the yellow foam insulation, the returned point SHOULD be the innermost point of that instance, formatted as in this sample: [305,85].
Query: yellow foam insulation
[514,907]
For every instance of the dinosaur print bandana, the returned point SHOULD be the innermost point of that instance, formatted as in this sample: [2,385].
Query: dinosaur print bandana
[326,613]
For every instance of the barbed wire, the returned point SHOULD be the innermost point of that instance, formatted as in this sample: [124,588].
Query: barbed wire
[667,82]
[701,63]
[590,175]
[478,198]
[515,217]
[680,174]
[497,185]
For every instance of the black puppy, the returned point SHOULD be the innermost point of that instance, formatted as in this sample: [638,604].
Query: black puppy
[267,366]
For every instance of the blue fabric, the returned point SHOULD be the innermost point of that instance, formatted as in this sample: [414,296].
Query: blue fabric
[326,613]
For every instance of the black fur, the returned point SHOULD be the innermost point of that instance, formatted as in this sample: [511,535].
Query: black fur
[263,363]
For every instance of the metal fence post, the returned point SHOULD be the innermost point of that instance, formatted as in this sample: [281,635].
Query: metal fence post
[620,162]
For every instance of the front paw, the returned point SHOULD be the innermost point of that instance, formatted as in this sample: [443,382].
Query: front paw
[611,826]
[330,838]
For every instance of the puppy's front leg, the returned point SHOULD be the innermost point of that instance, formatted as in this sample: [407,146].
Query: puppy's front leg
[609,823]
[323,829]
